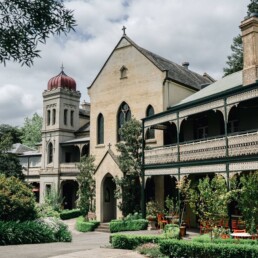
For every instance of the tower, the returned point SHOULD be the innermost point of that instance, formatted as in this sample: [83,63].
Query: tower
[60,121]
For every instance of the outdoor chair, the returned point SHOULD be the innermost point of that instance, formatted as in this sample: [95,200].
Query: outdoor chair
[161,220]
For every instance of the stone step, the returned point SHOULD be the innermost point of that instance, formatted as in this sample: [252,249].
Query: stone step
[103,227]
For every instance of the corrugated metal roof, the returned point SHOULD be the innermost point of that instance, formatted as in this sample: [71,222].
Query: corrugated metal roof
[226,83]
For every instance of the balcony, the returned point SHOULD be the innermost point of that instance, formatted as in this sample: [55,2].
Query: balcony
[69,168]
[238,145]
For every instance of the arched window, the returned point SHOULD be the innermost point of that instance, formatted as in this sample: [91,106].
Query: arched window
[100,129]
[123,115]
[48,117]
[50,152]
[53,116]
[65,116]
[71,118]
[123,72]
[150,133]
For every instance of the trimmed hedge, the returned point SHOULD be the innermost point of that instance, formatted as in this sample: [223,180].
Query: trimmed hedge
[190,249]
[128,225]
[207,239]
[70,214]
[130,242]
[86,226]
[31,232]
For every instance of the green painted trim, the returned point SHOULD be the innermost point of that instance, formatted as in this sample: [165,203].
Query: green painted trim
[205,100]
[238,159]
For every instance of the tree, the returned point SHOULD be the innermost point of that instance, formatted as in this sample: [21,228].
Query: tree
[129,186]
[209,200]
[235,60]
[17,201]
[87,184]
[9,163]
[14,132]
[31,130]
[26,23]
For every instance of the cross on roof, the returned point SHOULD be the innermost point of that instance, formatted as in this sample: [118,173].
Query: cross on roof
[123,29]
[62,67]
[109,145]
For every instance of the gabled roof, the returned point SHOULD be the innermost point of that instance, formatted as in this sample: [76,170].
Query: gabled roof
[175,72]
[19,148]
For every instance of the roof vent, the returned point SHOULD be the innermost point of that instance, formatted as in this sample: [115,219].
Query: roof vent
[185,64]
[204,85]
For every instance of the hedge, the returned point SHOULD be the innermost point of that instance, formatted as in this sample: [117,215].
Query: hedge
[190,249]
[31,232]
[130,242]
[70,214]
[207,239]
[128,225]
[85,226]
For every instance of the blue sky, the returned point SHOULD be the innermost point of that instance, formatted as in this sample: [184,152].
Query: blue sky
[199,32]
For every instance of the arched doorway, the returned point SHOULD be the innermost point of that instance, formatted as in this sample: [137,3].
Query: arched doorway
[108,198]
[69,190]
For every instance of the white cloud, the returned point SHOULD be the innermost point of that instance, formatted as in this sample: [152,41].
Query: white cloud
[199,31]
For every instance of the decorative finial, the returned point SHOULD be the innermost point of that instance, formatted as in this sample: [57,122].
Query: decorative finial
[62,68]
[123,29]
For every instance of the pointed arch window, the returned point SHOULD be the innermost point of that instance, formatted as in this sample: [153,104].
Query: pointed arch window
[48,117]
[100,129]
[53,116]
[123,72]
[50,152]
[150,133]
[123,115]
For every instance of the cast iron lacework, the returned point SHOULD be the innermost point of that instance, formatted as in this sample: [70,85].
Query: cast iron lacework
[124,115]
[123,72]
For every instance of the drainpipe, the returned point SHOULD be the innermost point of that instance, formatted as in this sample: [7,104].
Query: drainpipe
[227,164]
[143,206]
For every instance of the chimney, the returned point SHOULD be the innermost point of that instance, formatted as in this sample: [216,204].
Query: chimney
[249,28]
[185,64]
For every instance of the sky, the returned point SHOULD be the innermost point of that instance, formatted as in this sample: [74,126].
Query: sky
[197,31]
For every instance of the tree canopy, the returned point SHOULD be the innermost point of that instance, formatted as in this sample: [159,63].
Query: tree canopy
[31,130]
[235,60]
[128,187]
[26,23]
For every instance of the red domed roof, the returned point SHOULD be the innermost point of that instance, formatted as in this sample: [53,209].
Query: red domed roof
[61,81]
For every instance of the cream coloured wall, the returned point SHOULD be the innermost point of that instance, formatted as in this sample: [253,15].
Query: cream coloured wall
[143,86]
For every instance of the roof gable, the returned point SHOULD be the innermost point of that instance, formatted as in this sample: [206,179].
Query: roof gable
[175,72]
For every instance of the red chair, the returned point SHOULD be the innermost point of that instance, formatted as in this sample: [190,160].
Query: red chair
[161,220]
[238,231]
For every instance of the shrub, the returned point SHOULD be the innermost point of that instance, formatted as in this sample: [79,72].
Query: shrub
[44,210]
[121,241]
[171,231]
[30,232]
[85,226]
[17,201]
[176,248]
[206,239]
[69,214]
[150,250]
[128,225]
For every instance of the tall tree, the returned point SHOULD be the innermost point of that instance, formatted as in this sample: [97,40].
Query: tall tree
[26,23]
[13,131]
[31,130]
[235,60]
[128,186]
[86,182]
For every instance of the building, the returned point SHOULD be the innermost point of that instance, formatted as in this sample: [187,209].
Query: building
[213,131]
[193,125]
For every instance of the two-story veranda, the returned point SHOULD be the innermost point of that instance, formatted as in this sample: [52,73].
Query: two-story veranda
[213,131]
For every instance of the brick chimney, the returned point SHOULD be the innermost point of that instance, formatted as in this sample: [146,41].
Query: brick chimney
[249,28]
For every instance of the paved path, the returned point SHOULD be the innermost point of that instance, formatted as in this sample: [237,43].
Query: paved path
[84,245]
